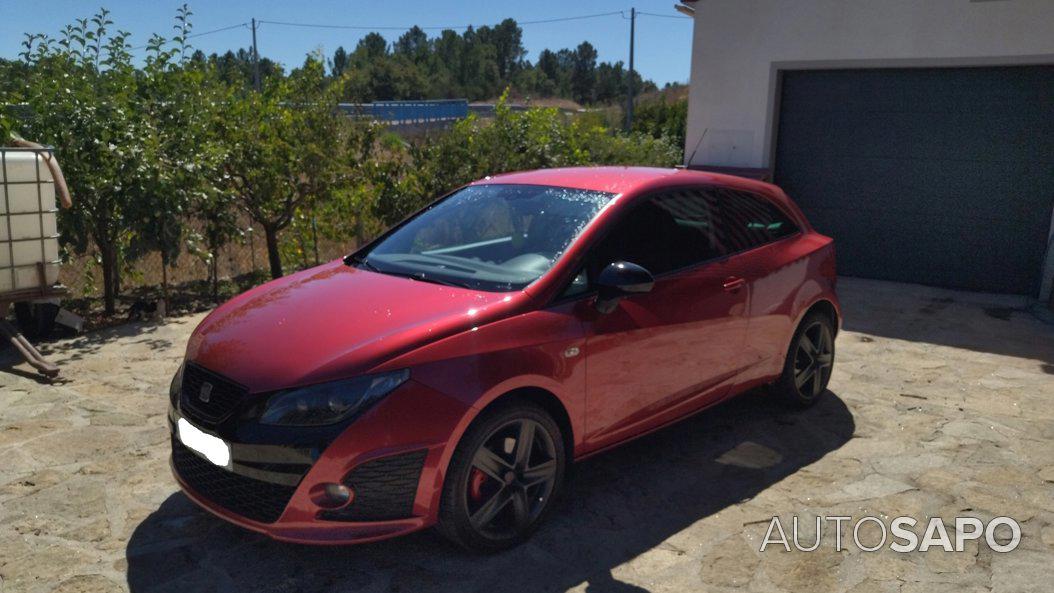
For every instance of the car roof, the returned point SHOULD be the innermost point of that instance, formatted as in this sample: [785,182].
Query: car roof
[621,180]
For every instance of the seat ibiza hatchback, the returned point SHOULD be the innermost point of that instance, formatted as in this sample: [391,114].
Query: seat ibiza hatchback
[448,372]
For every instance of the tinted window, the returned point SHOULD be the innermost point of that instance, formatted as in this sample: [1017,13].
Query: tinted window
[748,221]
[665,233]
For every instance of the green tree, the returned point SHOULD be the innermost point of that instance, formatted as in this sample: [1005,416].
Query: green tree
[236,68]
[284,150]
[584,73]
[660,118]
[82,97]
[339,63]
[611,83]
[371,47]
[175,104]
[413,44]
[532,139]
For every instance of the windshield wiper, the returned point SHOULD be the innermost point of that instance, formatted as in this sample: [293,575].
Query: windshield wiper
[364,263]
[426,278]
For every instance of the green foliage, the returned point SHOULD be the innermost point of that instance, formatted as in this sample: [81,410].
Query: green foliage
[285,149]
[659,118]
[12,79]
[7,124]
[477,64]
[532,139]
[176,104]
[82,96]
[164,157]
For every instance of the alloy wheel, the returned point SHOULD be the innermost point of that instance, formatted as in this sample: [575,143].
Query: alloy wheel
[512,476]
[813,360]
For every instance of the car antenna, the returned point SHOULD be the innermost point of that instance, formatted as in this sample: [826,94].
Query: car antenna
[696,149]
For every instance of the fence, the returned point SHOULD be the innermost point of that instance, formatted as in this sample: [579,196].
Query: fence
[409,112]
[239,265]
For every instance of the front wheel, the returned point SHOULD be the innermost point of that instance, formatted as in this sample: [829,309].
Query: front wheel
[503,478]
[810,360]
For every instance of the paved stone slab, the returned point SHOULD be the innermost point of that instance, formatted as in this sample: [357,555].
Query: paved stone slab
[937,407]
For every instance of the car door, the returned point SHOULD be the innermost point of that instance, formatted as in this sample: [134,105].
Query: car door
[664,353]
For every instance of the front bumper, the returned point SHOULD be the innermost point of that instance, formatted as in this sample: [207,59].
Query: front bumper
[391,457]
[314,532]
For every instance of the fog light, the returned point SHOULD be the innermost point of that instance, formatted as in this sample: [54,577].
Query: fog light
[331,496]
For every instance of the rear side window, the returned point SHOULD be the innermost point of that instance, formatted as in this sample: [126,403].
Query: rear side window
[747,221]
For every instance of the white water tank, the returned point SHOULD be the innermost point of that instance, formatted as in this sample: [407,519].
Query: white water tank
[29,238]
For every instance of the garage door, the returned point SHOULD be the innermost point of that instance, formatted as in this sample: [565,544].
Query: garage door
[940,176]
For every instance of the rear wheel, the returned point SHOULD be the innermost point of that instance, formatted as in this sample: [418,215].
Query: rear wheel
[810,360]
[503,478]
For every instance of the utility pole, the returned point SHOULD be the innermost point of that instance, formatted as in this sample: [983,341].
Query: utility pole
[256,60]
[629,100]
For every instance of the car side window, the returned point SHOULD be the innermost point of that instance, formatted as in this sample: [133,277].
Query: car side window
[747,221]
[666,232]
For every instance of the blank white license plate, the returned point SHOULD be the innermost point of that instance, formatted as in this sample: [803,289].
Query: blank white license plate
[212,448]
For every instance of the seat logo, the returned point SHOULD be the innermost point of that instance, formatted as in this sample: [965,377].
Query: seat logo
[206,392]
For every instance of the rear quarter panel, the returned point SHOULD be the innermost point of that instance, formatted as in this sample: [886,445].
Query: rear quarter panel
[797,279]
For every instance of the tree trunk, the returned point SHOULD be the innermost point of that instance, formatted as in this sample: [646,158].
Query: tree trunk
[273,255]
[214,273]
[109,276]
[314,237]
[164,277]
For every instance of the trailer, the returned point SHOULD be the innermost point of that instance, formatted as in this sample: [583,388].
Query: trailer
[31,187]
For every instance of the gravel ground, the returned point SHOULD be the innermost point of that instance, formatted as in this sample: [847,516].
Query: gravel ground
[940,405]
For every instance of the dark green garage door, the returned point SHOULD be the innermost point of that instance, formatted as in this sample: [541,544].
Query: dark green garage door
[940,176]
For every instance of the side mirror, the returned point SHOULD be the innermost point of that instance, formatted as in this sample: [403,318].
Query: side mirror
[618,280]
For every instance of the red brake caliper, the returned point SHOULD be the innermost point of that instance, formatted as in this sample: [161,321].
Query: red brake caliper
[475,484]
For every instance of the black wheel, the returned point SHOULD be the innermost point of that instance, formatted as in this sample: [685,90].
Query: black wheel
[503,478]
[810,360]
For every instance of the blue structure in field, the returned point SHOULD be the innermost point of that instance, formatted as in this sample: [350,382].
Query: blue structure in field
[409,112]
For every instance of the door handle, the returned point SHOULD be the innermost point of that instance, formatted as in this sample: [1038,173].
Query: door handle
[733,284]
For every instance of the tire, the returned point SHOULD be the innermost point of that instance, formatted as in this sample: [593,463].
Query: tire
[494,497]
[810,360]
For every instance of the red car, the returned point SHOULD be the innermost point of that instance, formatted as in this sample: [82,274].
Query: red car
[449,372]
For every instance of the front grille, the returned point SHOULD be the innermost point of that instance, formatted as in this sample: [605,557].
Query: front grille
[384,488]
[223,397]
[252,499]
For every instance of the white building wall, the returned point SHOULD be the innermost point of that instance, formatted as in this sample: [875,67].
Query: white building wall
[739,45]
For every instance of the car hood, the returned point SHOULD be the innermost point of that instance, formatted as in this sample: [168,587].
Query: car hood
[332,322]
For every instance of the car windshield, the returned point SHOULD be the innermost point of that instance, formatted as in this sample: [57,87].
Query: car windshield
[487,237]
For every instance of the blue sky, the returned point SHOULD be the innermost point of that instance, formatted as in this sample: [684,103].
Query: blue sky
[663,44]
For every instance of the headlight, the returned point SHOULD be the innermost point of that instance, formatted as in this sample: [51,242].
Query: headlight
[177,384]
[330,403]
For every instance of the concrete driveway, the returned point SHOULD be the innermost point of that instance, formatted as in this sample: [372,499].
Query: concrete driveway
[941,404]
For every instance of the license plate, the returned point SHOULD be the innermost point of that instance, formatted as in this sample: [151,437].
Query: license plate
[212,448]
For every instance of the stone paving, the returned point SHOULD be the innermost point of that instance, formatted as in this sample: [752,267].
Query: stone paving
[940,405]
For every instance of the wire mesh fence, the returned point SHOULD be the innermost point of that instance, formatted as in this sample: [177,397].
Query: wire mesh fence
[239,265]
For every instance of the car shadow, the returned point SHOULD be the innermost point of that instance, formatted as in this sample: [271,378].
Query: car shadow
[617,506]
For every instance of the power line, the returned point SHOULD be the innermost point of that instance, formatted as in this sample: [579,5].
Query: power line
[665,16]
[202,34]
[221,29]
[434,27]
[405,28]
